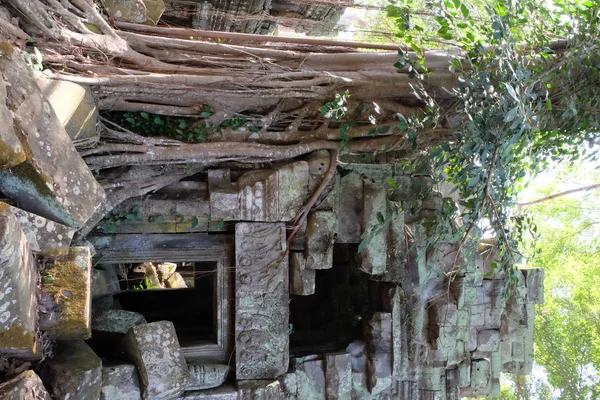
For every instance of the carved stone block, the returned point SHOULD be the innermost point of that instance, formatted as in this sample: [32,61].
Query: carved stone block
[262,294]
[120,382]
[207,376]
[25,386]
[338,376]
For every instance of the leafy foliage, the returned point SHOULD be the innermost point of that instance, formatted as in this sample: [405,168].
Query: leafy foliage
[116,217]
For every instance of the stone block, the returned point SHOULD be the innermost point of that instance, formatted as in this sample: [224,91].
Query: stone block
[318,165]
[289,386]
[176,281]
[66,295]
[481,378]
[146,12]
[105,281]
[488,340]
[311,380]
[75,372]
[378,332]
[74,107]
[116,321]
[350,202]
[292,191]
[54,181]
[224,196]
[25,386]
[302,280]
[535,285]
[259,390]
[46,237]
[120,382]
[225,392]
[207,376]
[262,301]
[11,149]
[155,351]
[321,229]
[338,376]
[374,254]
[18,303]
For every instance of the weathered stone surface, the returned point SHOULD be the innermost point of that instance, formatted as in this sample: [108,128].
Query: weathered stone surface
[75,108]
[25,386]
[374,254]
[350,202]
[379,352]
[302,280]
[11,150]
[137,11]
[175,281]
[262,295]
[18,276]
[273,195]
[66,294]
[318,164]
[44,236]
[224,196]
[320,236]
[120,382]
[311,380]
[116,321]
[105,281]
[75,372]
[54,181]
[206,376]
[225,392]
[338,376]
[259,390]
[155,351]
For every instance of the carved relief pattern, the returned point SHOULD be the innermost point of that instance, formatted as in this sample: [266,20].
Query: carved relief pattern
[262,292]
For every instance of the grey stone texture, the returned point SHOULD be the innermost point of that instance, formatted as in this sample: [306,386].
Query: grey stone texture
[25,386]
[321,228]
[116,321]
[54,181]
[120,382]
[225,392]
[75,372]
[262,301]
[66,295]
[338,376]
[207,376]
[258,390]
[11,149]
[302,279]
[44,236]
[155,351]
[105,281]
[18,303]
[136,11]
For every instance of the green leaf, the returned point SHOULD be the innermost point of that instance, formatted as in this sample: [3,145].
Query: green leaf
[435,152]
[464,10]
[549,104]
[195,222]
[511,114]
[511,91]
[145,115]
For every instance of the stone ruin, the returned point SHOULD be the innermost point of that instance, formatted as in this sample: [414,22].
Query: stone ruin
[238,321]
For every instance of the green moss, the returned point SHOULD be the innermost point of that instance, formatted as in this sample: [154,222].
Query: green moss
[67,284]
[17,337]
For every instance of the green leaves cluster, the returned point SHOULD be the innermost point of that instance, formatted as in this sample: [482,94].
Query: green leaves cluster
[116,217]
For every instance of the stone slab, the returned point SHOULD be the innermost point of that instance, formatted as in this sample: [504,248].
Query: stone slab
[262,301]
[259,390]
[18,303]
[75,372]
[105,281]
[374,254]
[225,392]
[25,386]
[136,11]
[66,295]
[350,200]
[338,376]
[116,321]
[54,181]
[155,351]
[120,382]
[378,332]
[311,380]
[11,150]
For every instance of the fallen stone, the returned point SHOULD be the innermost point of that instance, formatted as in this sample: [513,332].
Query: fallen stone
[311,380]
[46,237]
[25,386]
[225,392]
[155,351]
[135,11]
[116,321]
[262,301]
[302,280]
[54,181]
[66,295]
[207,376]
[321,228]
[75,372]
[120,382]
[74,106]
[18,303]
